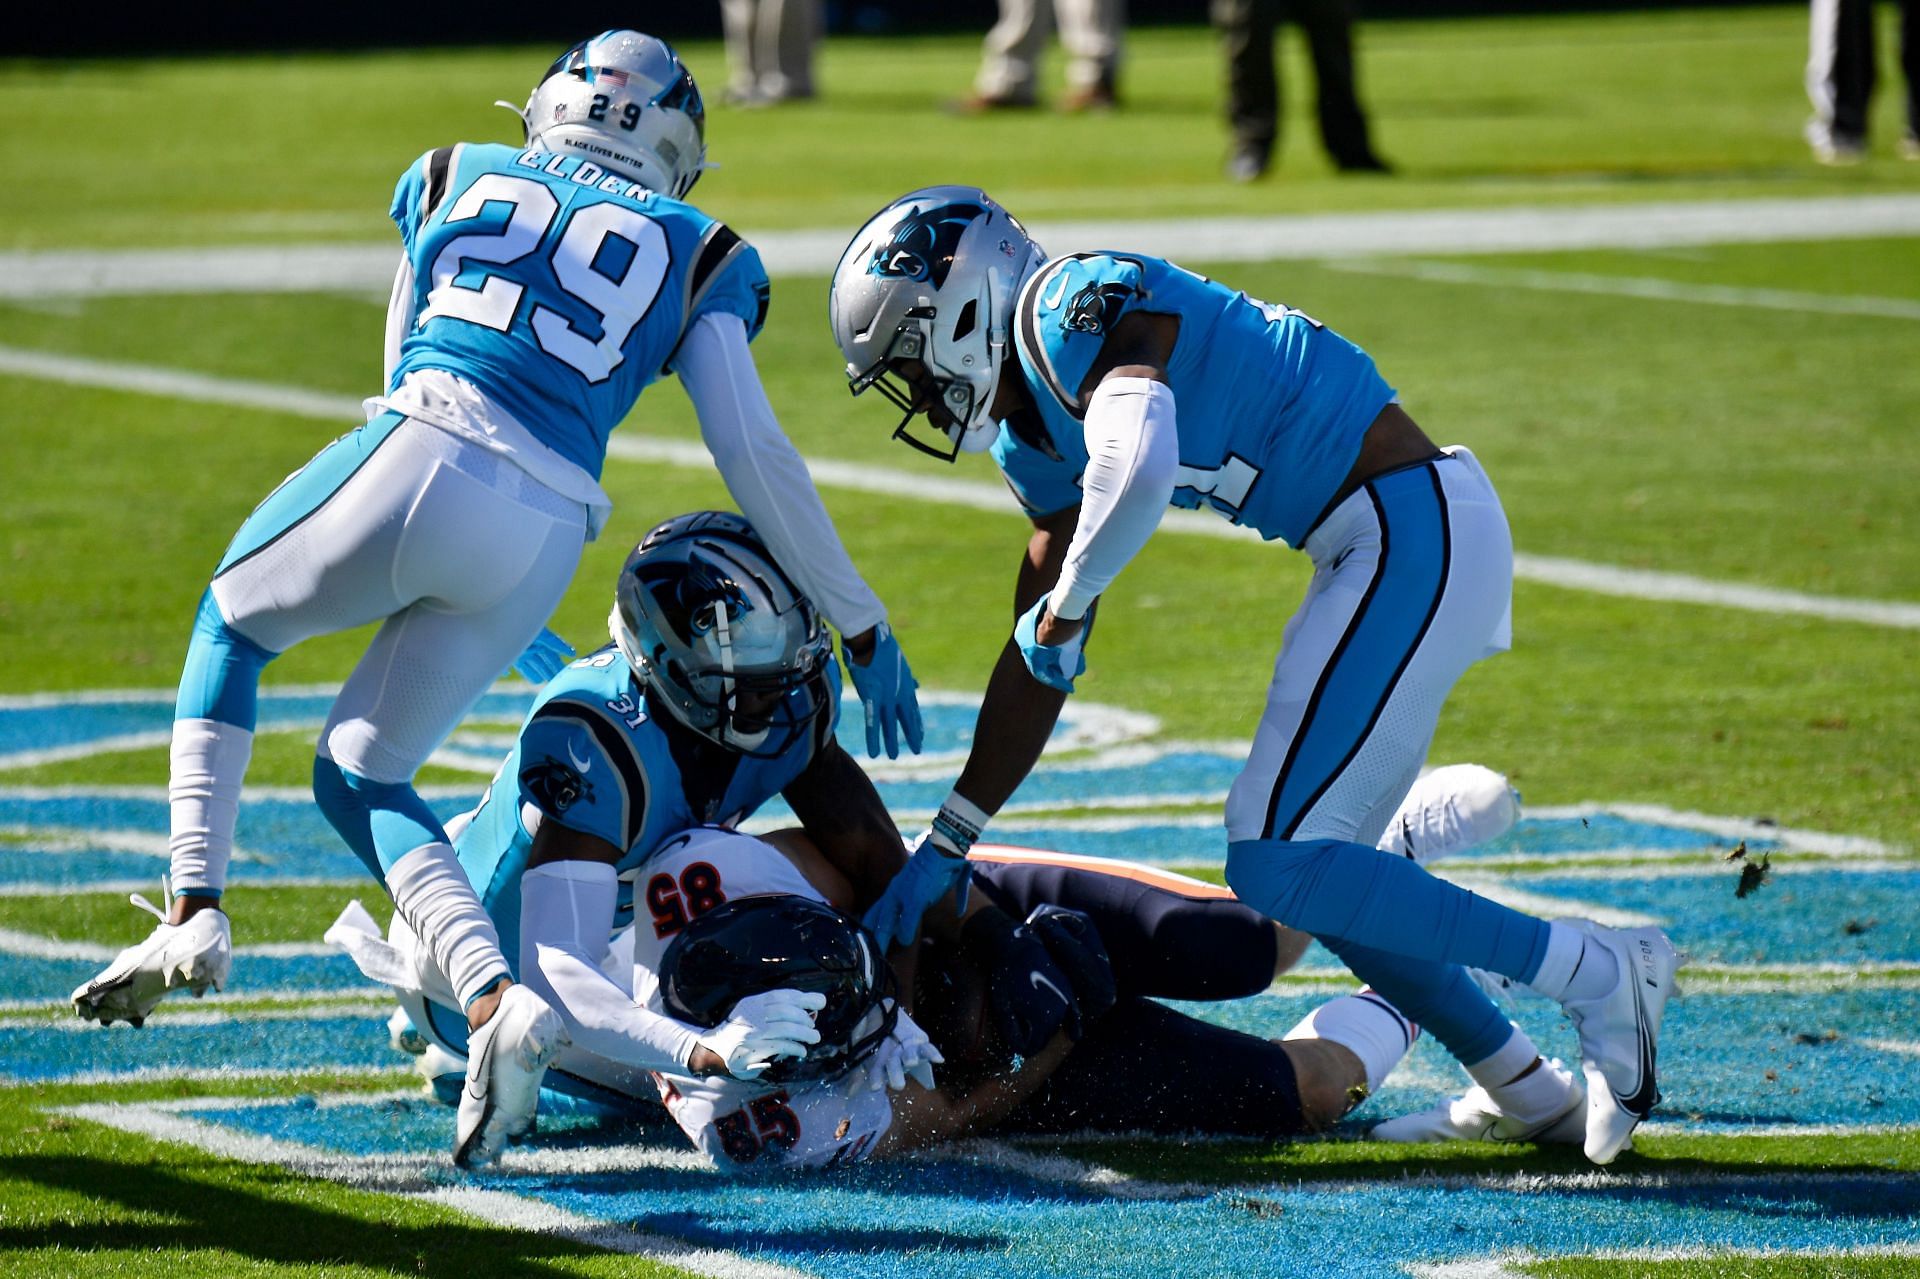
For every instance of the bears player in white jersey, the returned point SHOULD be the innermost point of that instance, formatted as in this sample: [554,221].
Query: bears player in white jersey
[1120,936]
[1069,370]
[541,288]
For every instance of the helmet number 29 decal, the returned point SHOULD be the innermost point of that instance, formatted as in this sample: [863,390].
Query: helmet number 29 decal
[618,303]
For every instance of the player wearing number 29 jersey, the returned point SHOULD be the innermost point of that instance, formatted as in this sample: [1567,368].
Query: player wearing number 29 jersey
[559,289]
[540,290]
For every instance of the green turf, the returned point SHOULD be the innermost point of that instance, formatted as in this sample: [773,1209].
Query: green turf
[1764,447]
[1488,111]
[282,913]
[80,1199]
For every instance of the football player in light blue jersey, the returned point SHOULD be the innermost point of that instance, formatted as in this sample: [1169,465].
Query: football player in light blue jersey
[1109,386]
[718,693]
[541,288]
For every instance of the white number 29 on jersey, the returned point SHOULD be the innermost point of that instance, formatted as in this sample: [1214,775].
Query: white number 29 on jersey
[620,303]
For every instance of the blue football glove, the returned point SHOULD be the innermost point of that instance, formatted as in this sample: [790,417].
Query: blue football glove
[885,686]
[931,872]
[1055,665]
[546,657]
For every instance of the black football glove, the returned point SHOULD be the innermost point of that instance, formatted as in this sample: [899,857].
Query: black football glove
[1073,941]
[1030,996]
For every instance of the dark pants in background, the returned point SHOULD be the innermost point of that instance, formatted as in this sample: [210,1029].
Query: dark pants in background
[1253,85]
[1841,68]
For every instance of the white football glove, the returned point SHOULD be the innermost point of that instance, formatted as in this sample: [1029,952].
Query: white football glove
[906,1054]
[763,1028]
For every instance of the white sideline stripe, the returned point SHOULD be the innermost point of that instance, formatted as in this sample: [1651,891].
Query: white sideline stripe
[367,1002]
[1599,579]
[200,1074]
[368,267]
[1548,907]
[1502,1267]
[432,1178]
[1648,287]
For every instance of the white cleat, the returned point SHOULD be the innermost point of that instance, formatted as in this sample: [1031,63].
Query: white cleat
[193,956]
[404,1036]
[506,1059]
[1478,1117]
[1619,1034]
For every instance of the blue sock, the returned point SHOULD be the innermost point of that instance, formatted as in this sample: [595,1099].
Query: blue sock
[1351,893]
[221,680]
[1440,998]
[381,821]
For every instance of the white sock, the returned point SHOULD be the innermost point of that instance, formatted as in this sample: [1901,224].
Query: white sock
[1539,1094]
[431,892]
[209,762]
[1575,967]
[1366,1025]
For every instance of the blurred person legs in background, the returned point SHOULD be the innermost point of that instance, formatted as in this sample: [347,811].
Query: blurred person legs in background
[1253,85]
[770,49]
[1009,70]
[1840,78]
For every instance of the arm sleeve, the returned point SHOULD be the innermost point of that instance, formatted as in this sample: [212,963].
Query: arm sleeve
[766,475]
[1133,453]
[400,317]
[566,916]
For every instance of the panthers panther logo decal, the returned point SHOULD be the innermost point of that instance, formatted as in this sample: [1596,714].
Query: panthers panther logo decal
[923,244]
[1096,308]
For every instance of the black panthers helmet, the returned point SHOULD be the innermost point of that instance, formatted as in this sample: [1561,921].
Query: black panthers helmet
[780,941]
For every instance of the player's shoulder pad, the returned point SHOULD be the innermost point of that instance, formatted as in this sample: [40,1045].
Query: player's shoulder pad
[1064,313]
[423,187]
[725,274]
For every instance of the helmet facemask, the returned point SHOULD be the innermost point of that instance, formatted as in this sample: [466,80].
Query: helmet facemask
[716,633]
[922,307]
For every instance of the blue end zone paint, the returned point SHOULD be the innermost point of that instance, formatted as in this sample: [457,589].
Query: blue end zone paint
[1796,918]
[956,1217]
[942,1218]
[277,1044]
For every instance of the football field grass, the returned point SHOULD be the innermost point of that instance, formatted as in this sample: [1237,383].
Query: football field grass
[1706,450]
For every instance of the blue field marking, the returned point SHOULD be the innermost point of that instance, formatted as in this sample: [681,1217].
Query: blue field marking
[1798,917]
[52,979]
[978,1215]
[162,1047]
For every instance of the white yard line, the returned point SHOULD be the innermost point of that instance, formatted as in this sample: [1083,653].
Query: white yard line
[1650,288]
[431,1178]
[368,267]
[1600,579]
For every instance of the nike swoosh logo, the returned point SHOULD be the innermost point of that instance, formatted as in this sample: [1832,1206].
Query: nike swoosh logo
[1059,291]
[478,1070]
[1042,983]
[1641,1101]
[583,766]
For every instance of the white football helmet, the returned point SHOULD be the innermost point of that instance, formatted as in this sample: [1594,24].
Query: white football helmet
[933,277]
[626,100]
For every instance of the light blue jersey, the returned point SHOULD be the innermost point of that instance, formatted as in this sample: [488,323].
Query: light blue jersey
[557,289]
[595,757]
[1271,404]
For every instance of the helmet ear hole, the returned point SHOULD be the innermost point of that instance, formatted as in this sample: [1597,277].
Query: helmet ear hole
[968,314]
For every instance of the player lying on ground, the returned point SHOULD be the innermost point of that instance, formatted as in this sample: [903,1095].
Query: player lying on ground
[1119,935]
[716,696]
[1069,370]
[540,289]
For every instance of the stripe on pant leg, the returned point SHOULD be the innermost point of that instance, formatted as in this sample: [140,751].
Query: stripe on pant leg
[308,489]
[1342,729]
